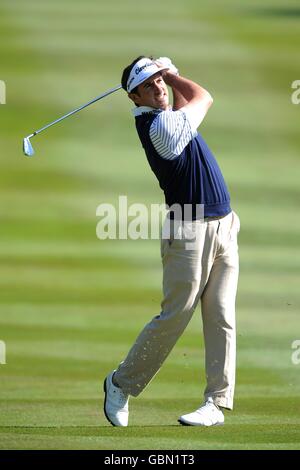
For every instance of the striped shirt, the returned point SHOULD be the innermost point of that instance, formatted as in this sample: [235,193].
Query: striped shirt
[170,132]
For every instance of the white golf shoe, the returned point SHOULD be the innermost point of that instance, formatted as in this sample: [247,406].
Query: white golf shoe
[115,403]
[207,415]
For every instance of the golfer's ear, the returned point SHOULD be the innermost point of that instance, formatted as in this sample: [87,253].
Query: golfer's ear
[134,97]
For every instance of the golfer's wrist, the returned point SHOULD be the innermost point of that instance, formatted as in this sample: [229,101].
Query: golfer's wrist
[170,78]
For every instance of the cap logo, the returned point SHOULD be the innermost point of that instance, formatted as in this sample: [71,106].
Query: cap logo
[140,69]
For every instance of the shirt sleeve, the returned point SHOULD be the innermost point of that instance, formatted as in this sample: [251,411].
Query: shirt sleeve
[170,133]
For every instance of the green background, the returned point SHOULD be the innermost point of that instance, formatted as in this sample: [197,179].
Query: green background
[71,305]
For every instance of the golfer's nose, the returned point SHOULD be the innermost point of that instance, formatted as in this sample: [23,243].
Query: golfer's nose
[157,86]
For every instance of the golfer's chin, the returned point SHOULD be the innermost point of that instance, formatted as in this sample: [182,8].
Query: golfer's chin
[162,102]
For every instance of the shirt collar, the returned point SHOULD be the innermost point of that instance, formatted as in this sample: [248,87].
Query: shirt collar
[139,110]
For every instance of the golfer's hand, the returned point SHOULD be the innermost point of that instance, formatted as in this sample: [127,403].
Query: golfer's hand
[166,62]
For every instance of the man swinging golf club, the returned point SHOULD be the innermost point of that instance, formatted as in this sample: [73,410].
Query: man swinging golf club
[208,272]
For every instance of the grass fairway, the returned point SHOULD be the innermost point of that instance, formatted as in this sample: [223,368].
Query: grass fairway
[70,304]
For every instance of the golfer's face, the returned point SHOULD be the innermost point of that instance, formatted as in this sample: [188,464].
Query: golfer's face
[153,92]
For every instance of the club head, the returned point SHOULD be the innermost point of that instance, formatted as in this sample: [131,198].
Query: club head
[27,147]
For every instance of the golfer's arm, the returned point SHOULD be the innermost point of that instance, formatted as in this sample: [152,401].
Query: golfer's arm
[189,96]
[179,100]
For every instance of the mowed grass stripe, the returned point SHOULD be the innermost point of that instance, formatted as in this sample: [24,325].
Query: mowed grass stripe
[251,437]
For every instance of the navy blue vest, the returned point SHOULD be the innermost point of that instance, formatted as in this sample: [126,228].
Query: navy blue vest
[193,177]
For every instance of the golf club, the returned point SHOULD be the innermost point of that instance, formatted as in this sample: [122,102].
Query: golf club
[27,146]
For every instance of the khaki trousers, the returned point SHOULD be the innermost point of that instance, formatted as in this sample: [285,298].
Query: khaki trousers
[205,270]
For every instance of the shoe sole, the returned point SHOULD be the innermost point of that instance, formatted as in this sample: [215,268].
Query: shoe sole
[203,425]
[105,392]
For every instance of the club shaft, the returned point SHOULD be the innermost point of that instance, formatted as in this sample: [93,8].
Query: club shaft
[109,92]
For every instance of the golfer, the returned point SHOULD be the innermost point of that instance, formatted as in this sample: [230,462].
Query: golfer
[204,271]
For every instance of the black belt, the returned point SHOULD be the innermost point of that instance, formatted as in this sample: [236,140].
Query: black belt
[207,219]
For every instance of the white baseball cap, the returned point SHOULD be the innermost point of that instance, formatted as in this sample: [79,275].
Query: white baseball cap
[141,71]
